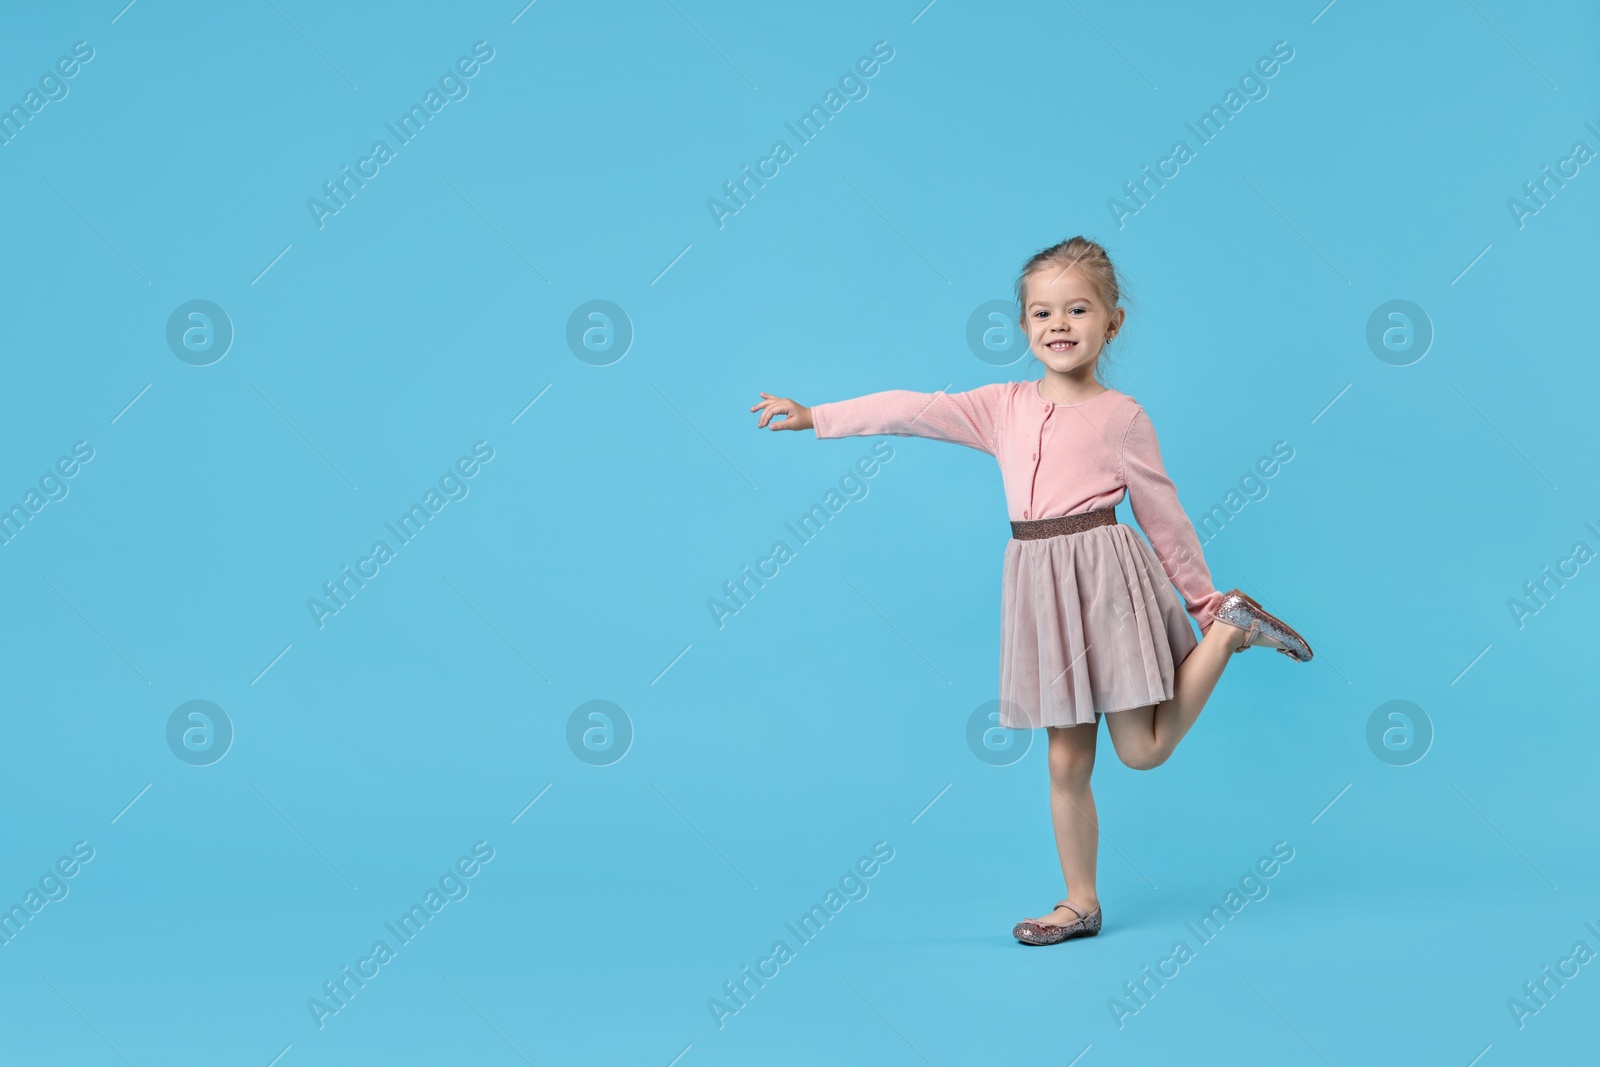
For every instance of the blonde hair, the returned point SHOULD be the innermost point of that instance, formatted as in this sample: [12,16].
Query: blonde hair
[1084,255]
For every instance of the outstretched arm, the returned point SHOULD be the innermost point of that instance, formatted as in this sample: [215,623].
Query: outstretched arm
[970,418]
[1161,516]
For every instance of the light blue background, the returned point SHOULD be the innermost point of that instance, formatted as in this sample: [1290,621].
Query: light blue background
[826,715]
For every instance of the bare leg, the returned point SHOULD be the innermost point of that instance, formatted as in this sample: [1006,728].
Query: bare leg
[1072,813]
[1145,737]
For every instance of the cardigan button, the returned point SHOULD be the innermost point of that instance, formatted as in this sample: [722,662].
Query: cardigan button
[1024,514]
[1036,455]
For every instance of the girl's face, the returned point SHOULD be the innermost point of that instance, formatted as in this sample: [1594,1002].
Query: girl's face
[1066,320]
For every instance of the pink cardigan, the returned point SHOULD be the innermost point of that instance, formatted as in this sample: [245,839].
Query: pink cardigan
[1055,459]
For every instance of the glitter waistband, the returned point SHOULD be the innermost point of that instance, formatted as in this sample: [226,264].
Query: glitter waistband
[1063,524]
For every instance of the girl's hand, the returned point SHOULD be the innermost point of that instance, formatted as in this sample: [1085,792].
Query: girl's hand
[798,415]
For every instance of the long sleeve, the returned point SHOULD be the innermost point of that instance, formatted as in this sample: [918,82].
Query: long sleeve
[1161,516]
[971,418]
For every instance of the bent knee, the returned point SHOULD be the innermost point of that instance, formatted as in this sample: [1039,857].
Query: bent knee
[1143,761]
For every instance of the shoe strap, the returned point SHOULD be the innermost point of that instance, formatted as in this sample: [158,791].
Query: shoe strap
[1250,634]
[1069,907]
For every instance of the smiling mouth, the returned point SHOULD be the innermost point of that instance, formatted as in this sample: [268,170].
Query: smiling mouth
[1061,346]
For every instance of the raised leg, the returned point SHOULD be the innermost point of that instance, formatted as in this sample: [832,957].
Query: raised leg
[1145,737]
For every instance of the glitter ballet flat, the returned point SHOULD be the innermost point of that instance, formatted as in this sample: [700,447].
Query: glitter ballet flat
[1035,933]
[1239,610]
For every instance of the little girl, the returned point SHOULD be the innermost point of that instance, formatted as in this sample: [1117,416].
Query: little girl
[1090,627]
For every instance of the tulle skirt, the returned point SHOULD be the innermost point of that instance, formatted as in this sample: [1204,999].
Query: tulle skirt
[1090,625]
